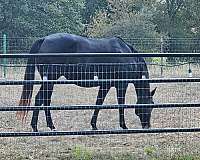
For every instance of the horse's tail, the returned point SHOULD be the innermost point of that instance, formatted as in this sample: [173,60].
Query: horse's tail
[29,75]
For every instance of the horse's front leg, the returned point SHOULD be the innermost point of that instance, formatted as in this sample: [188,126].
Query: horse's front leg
[121,92]
[103,90]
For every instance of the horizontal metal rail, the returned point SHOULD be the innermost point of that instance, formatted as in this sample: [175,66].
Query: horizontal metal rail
[89,107]
[98,82]
[27,55]
[98,132]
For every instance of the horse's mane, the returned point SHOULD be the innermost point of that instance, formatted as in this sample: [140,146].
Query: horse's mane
[128,44]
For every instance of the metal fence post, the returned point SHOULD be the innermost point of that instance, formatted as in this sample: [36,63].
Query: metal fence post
[4,52]
[162,51]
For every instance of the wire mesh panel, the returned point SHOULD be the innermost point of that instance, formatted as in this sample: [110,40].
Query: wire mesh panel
[83,93]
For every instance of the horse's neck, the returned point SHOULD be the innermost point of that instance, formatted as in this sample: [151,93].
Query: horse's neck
[143,93]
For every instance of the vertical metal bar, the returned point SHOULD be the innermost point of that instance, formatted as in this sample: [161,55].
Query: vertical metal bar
[189,70]
[162,51]
[4,52]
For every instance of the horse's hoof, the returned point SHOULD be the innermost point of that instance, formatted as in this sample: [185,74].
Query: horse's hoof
[94,128]
[54,130]
[35,130]
[123,127]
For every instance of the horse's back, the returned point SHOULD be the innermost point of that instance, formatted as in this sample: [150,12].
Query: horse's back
[69,43]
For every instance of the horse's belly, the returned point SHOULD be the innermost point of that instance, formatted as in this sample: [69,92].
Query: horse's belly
[91,75]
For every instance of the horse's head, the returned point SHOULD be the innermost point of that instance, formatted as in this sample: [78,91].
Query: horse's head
[145,113]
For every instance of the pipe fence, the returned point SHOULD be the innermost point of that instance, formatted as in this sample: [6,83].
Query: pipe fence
[98,82]
[175,120]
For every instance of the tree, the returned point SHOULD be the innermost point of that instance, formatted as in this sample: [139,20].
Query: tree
[191,14]
[40,17]
[169,22]
[128,19]
[173,6]
[179,21]
[92,7]
[37,18]
[125,18]
[167,16]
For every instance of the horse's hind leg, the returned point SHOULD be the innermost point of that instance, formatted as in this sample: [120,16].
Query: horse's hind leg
[121,92]
[48,89]
[103,90]
[38,102]
[35,120]
[43,97]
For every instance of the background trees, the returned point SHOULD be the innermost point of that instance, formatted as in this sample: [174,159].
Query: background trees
[130,19]
[91,8]
[25,18]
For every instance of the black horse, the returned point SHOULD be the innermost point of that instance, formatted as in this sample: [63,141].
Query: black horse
[86,69]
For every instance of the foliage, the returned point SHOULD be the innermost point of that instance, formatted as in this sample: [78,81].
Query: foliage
[92,7]
[177,19]
[151,152]
[127,19]
[186,157]
[190,14]
[81,153]
[40,17]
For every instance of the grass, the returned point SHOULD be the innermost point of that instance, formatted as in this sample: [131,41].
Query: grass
[150,153]
[81,153]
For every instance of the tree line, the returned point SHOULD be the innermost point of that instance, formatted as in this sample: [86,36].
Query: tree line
[130,19]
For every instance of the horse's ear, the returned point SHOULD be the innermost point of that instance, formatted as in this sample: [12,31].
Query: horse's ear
[153,92]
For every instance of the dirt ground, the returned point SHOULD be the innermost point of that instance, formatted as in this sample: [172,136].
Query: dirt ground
[164,145]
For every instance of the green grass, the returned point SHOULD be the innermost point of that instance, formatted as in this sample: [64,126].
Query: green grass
[150,153]
[187,157]
[81,153]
